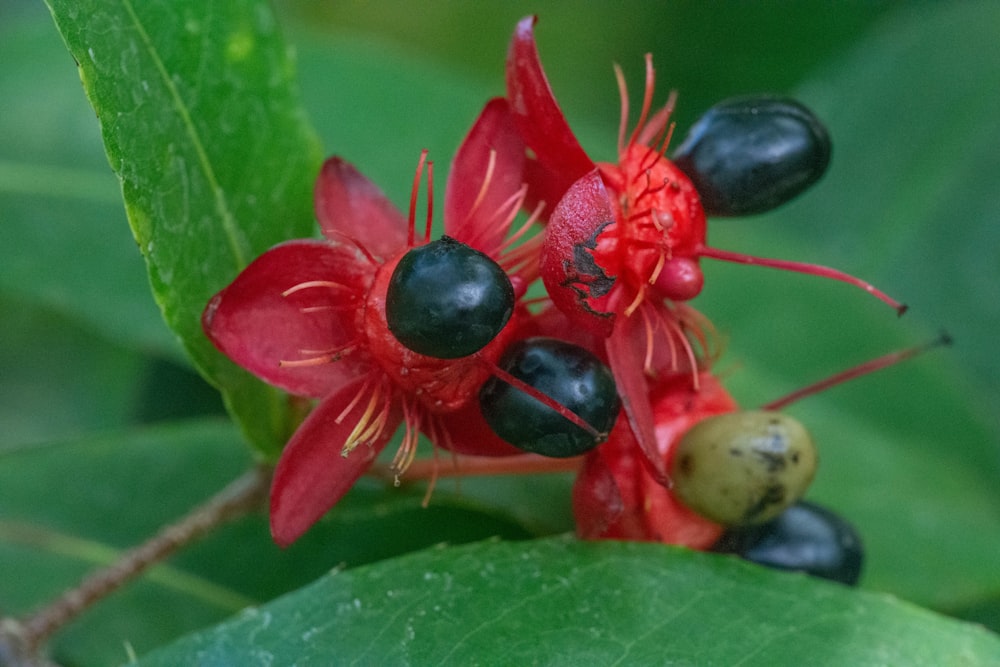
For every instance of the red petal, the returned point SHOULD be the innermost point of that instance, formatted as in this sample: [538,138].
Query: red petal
[349,205]
[312,474]
[573,276]
[258,328]
[544,186]
[638,507]
[466,432]
[668,521]
[536,112]
[477,213]
[597,499]
[627,366]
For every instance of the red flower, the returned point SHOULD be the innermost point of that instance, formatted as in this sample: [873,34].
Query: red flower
[615,496]
[309,316]
[623,242]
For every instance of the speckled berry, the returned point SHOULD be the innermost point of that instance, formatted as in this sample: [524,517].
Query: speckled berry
[743,467]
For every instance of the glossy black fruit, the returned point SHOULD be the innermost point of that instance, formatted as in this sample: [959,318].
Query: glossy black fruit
[447,300]
[567,373]
[805,538]
[752,154]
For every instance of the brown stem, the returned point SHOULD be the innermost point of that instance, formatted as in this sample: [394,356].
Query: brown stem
[242,496]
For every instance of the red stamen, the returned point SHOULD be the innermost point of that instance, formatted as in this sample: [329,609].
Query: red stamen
[801,267]
[430,202]
[676,327]
[412,217]
[347,305]
[651,134]
[365,386]
[640,295]
[650,330]
[317,283]
[623,123]
[329,233]
[512,206]
[484,188]
[321,356]
[867,367]
[647,98]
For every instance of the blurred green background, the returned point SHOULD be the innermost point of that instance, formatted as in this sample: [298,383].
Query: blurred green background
[99,411]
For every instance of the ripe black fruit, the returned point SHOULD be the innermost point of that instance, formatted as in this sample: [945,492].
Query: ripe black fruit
[447,300]
[568,374]
[805,538]
[752,154]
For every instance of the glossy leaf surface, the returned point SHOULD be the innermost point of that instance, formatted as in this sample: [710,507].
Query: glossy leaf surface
[601,603]
[202,125]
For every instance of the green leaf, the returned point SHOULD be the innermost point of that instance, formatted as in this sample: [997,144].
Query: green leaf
[45,396]
[911,455]
[558,601]
[202,124]
[116,490]
[64,242]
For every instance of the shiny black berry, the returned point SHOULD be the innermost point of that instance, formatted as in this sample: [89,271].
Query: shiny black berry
[568,374]
[805,538]
[752,154]
[447,300]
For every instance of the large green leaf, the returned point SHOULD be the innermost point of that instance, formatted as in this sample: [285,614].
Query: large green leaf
[912,455]
[64,242]
[202,124]
[562,602]
[116,490]
[45,396]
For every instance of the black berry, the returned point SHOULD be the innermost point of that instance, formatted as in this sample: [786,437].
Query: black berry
[447,300]
[752,154]
[568,374]
[805,538]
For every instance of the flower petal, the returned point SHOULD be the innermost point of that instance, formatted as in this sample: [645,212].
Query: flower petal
[259,328]
[466,432]
[478,212]
[312,474]
[573,276]
[669,521]
[627,367]
[350,206]
[615,497]
[538,116]
[598,501]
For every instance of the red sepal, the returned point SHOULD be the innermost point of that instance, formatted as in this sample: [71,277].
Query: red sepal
[466,432]
[351,207]
[577,284]
[598,502]
[258,328]
[649,511]
[633,388]
[312,474]
[479,213]
[538,116]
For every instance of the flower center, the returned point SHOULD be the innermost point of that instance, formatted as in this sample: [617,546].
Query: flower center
[660,226]
[441,385]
